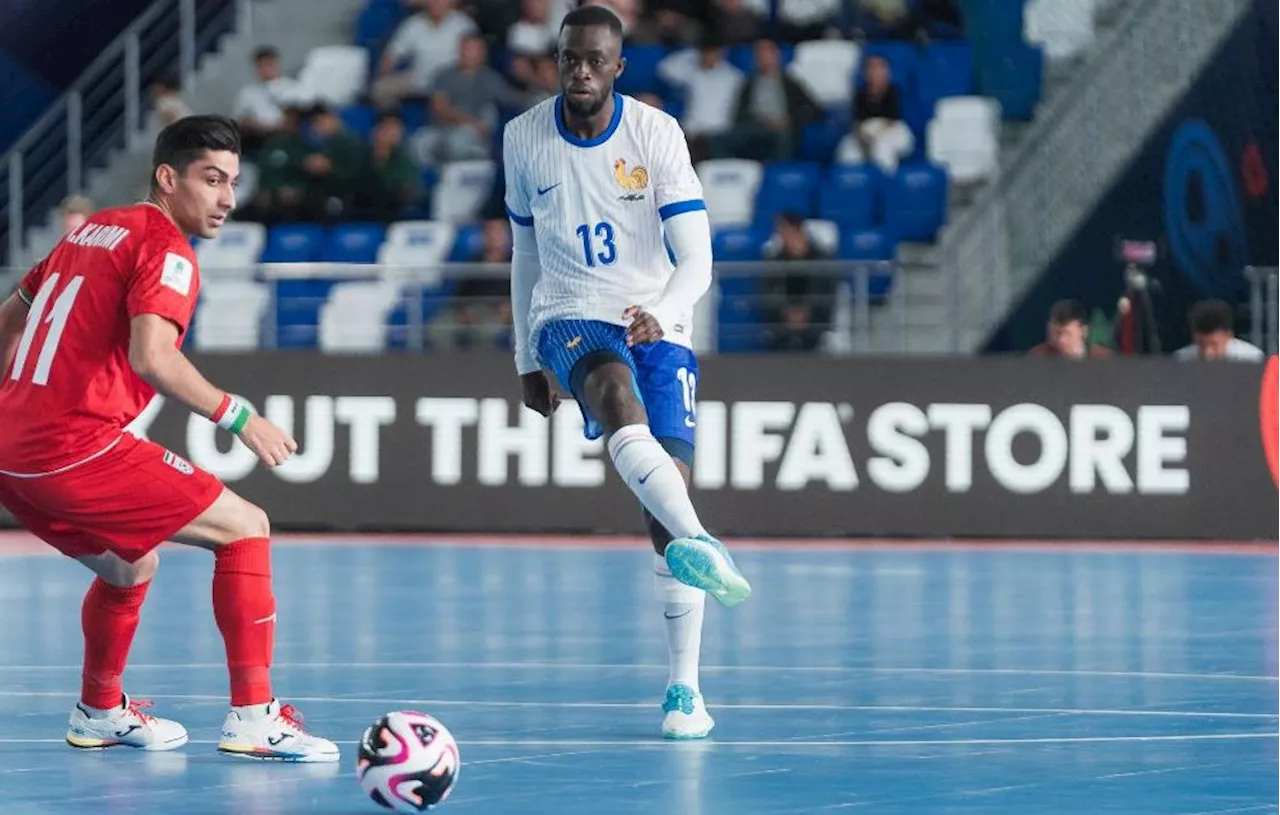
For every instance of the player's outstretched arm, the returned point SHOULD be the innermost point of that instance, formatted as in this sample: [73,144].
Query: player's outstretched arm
[13,321]
[155,356]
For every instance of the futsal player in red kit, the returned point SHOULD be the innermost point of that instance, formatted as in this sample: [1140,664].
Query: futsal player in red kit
[92,333]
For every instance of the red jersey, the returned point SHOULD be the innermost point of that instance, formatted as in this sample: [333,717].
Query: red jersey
[70,390]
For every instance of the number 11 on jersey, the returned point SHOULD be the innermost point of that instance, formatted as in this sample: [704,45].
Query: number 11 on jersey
[57,321]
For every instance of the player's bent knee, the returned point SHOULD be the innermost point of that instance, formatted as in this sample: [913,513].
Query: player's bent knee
[255,523]
[119,572]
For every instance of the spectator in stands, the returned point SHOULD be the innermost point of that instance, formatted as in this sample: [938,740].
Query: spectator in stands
[711,87]
[1067,334]
[800,20]
[878,131]
[392,181]
[545,80]
[679,22]
[637,28]
[259,106]
[797,305]
[427,43]
[166,94]
[465,103]
[74,211]
[535,33]
[737,22]
[481,316]
[771,109]
[1213,335]
[282,182]
[333,164]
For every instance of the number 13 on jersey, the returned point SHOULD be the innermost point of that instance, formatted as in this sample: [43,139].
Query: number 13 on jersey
[57,320]
[597,244]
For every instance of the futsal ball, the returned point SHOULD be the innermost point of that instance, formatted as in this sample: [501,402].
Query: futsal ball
[407,761]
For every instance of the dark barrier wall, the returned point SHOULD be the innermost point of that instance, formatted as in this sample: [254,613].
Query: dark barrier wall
[1203,186]
[799,446]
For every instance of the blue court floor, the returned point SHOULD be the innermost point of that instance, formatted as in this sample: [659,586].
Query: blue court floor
[872,679]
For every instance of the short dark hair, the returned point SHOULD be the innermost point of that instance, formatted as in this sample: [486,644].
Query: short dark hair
[584,16]
[182,143]
[266,52]
[1068,311]
[1210,316]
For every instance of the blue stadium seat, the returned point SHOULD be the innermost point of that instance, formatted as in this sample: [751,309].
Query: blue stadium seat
[468,243]
[641,75]
[1016,81]
[945,70]
[298,304]
[786,186]
[376,23]
[739,314]
[916,202]
[353,243]
[852,196]
[359,119]
[819,140]
[869,244]
[293,243]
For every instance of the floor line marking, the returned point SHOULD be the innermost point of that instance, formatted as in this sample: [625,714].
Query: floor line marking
[654,666]
[773,744]
[390,700]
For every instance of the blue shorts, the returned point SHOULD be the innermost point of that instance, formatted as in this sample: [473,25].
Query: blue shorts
[665,376]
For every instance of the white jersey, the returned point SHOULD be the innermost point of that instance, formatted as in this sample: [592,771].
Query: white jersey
[597,207]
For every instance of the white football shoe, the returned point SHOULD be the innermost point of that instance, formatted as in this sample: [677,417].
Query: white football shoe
[273,732]
[686,714]
[124,726]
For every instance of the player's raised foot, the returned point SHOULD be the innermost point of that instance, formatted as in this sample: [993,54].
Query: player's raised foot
[273,732]
[124,726]
[686,715]
[704,563]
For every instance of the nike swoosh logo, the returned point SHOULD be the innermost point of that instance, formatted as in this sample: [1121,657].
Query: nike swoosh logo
[645,477]
[676,616]
[545,190]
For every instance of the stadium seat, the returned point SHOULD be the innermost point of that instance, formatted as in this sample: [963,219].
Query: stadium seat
[963,136]
[1063,27]
[293,243]
[336,74]
[462,190]
[946,69]
[231,313]
[852,195]
[468,243]
[419,248]
[641,75]
[916,202]
[353,243]
[1015,82]
[824,234]
[786,186]
[738,314]
[354,318]
[359,119]
[237,247]
[376,23]
[729,187]
[869,245]
[298,302]
[826,69]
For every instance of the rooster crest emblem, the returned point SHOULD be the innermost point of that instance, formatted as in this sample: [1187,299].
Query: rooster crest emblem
[632,180]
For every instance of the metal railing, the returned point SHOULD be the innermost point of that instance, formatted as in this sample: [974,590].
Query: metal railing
[104,108]
[855,308]
[1263,307]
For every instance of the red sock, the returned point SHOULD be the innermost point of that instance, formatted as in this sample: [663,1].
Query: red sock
[245,610]
[109,617]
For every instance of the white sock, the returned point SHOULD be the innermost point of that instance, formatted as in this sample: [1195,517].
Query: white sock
[683,608]
[650,473]
[251,713]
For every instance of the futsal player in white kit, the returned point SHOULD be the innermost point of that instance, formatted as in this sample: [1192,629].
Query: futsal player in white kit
[598,184]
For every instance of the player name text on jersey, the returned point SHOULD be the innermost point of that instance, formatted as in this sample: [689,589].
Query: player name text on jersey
[101,236]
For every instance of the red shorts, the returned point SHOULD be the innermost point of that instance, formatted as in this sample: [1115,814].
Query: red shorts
[128,500]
